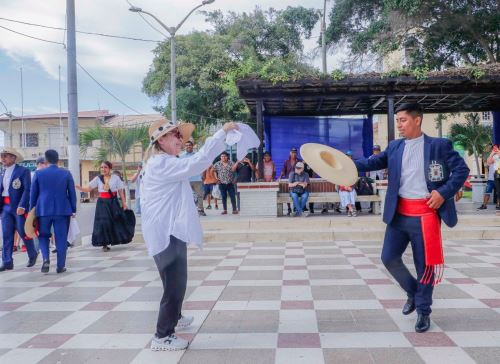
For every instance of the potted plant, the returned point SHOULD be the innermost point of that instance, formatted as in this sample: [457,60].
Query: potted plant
[475,138]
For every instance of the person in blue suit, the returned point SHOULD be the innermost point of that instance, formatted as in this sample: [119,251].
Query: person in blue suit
[425,174]
[15,191]
[53,196]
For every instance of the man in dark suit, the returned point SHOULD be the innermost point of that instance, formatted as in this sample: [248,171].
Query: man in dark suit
[15,191]
[424,175]
[54,198]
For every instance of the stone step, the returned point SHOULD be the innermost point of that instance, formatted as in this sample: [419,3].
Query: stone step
[372,234]
[320,222]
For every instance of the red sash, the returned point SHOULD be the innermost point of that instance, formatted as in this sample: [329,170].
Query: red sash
[6,200]
[431,233]
[107,194]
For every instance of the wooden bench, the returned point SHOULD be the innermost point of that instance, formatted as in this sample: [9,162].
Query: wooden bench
[321,191]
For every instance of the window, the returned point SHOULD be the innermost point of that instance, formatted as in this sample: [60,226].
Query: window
[486,116]
[31,140]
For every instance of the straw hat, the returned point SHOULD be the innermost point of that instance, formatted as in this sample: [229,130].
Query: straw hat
[330,164]
[14,152]
[163,126]
[30,224]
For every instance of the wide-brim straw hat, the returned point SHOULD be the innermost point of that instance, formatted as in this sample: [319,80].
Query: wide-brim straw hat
[163,126]
[12,151]
[30,224]
[330,164]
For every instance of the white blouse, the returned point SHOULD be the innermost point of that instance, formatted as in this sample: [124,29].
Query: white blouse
[167,203]
[115,184]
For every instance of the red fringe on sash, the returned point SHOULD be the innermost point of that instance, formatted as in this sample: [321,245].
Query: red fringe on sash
[431,233]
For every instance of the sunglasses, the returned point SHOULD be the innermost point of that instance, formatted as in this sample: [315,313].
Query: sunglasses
[176,133]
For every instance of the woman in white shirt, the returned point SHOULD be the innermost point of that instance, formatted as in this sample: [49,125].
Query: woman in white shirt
[170,218]
[110,227]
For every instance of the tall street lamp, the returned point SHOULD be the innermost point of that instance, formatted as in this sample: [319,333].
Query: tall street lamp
[172,31]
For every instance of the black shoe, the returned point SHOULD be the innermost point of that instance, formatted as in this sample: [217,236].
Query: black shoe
[482,207]
[45,266]
[324,211]
[54,251]
[423,323]
[409,306]
[61,270]
[498,208]
[32,261]
[5,267]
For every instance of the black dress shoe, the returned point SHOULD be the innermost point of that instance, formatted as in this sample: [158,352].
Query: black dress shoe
[5,267]
[61,270]
[32,261]
[409,306]
[423,323]
[45,266]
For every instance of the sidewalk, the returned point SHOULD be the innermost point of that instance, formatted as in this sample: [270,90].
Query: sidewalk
[253,302]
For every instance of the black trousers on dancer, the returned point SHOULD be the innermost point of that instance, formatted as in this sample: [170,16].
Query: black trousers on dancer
[172,266]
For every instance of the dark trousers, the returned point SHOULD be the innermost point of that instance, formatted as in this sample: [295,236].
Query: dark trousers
[10,223]
[226,188]
[172,266]
[399,233]
[61,226]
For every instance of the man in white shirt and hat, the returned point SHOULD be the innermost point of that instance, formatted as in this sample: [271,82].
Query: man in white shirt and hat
[170,218]
[14,202]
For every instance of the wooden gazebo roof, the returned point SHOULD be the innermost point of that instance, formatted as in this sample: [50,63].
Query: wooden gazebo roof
[454,90]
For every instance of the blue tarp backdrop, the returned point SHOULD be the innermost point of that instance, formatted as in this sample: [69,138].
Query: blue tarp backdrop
[282,133]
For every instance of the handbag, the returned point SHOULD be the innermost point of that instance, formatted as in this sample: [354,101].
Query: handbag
[216,192]
[299,190]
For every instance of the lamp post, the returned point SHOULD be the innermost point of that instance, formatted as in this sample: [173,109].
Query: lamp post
[172,31]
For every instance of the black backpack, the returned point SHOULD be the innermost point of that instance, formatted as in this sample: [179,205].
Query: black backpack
[364,186]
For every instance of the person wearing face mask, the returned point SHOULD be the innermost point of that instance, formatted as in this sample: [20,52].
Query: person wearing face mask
[425,174]
[109,226]
[170,219]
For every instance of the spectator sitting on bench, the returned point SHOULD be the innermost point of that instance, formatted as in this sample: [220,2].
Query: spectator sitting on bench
[348,199]
[298,181]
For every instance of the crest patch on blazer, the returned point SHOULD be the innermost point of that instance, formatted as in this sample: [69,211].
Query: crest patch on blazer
[16,184]
[436,173]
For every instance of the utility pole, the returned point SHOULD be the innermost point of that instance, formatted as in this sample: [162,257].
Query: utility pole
[323,38]
[73,147]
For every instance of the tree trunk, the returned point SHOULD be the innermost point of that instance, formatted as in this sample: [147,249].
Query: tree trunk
[476,160]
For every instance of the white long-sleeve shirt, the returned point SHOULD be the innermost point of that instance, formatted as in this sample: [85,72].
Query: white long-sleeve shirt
[6,180]
[413,184]
[167,203]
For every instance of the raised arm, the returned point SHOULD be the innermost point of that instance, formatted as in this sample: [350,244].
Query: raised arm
[374,163]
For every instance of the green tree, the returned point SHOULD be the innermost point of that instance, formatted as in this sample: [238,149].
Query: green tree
[474,137]
[208,63]
[433,32]
[114,143]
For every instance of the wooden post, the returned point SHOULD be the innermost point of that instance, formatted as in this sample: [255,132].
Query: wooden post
[390,118]
[260,134]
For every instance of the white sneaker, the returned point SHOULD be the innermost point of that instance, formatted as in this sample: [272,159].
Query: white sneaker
[171,342]
[184,321]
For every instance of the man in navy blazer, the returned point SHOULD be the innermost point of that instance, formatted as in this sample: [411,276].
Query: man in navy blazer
[421,169]
[54,198]
[14,190]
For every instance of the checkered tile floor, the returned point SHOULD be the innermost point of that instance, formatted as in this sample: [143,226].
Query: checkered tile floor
[289,302]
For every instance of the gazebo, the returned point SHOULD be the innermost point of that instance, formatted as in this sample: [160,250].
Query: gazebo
[453,90]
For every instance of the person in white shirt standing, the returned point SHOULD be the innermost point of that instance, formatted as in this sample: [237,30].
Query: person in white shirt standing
[493,162]
[170,218]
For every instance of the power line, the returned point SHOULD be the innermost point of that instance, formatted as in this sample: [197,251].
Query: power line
[147,22]
[29,36]
[81,31]
[109,92]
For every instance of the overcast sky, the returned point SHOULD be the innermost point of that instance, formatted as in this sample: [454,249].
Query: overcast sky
[120,65]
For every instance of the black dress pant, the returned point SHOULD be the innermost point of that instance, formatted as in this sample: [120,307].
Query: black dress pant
[172,266]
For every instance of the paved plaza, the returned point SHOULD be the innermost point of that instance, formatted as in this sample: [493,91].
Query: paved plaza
[253,302]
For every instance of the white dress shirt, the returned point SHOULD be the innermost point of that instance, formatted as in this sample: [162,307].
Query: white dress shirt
[6,179]
[115,184]
[413,184]
[167,203]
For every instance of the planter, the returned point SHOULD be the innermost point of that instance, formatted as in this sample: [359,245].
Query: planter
[478,188]
[258,198]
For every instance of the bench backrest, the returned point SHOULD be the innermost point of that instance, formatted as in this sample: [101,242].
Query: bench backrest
[316,185]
